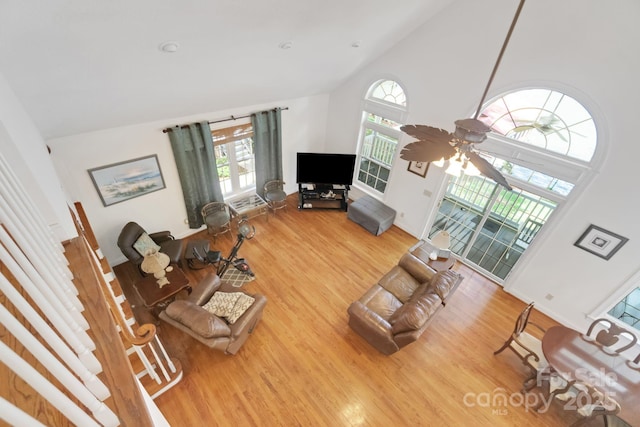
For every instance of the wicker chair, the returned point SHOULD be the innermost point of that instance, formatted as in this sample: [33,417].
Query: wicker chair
[217,218]
[274,195]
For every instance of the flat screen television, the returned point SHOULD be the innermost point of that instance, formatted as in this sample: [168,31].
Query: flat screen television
[325,168]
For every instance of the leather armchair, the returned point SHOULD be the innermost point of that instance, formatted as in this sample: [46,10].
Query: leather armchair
[130,233]
[189,316]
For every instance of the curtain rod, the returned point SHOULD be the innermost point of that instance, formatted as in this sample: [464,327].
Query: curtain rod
[232,117]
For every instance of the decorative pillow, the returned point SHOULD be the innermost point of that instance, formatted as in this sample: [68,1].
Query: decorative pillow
[222,303]
[242,305]
[144,243]
[230,305]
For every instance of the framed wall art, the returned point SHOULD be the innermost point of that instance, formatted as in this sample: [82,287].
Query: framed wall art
[419,168]
[122,181]
[600,242]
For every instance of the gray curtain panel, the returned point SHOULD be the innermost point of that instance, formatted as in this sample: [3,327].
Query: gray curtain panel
[193,151]
[267,137]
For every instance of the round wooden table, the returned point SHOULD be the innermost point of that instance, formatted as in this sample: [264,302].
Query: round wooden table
[577,358]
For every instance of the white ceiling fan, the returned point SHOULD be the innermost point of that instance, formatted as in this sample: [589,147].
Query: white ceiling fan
[435,144]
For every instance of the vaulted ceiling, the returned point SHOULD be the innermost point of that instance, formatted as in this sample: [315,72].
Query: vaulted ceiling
[83,65]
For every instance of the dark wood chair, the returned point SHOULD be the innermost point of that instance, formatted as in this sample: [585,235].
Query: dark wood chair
[608,334]
[527,347]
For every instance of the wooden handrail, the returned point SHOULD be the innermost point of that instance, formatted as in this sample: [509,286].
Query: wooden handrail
[143,334]
[126,399]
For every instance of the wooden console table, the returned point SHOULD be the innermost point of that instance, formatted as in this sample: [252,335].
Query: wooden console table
[153,295]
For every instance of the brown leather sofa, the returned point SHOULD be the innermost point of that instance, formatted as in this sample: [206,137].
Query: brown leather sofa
[216,332]
[396,311]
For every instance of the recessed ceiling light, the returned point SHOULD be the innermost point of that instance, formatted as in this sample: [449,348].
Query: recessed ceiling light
[356,44]
[169,47]
[285,45]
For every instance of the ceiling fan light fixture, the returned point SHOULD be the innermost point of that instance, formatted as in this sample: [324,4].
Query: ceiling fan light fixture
[434,142]
[455,166]
[439,163]
[469,169]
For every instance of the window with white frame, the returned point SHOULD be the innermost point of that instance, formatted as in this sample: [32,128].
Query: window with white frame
[628,309]
[542,141]
[234,150]
[384,110]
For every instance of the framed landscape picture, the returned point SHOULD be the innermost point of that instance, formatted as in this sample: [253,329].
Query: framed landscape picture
[122,181]
[600,242]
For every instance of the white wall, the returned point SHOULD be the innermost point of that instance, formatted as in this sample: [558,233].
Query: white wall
[303,130]
[581,47]
[26,153]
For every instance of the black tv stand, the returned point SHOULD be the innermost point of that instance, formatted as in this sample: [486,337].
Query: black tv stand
[323,196]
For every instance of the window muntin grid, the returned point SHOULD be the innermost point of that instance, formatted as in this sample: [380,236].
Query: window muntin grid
[531,176]
[628,309]
[379,134]
[389,91]
[546,119]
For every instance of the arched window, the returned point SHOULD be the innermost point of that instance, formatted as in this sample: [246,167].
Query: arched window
[544,118]
[384,112]
[389,91]
[542,141]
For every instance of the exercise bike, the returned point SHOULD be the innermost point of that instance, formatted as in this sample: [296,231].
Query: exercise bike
[245,232]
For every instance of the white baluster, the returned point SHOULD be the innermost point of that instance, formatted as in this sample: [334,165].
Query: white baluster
[23,335]
[64,308]
[47,390]
[172,367]
[32,212]
[84,354]
[15,416]
[59,283]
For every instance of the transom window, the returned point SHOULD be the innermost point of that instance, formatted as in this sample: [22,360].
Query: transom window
[385,106]
[389,91]
[544,118]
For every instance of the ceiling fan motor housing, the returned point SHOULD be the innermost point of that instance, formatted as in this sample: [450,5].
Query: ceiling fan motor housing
[471,130]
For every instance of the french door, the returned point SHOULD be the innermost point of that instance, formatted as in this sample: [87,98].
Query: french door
[490,227]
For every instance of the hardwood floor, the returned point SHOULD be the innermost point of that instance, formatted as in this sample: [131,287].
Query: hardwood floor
[304,366]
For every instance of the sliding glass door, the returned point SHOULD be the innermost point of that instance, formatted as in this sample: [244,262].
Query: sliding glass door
[543,142]
[490,227]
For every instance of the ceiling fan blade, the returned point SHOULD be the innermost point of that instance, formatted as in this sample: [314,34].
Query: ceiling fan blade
[432,145]
[426,151]
[488,170]
[427,133]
